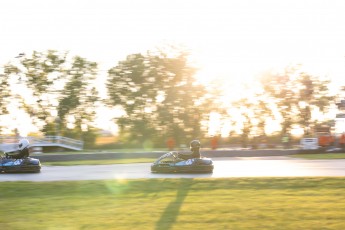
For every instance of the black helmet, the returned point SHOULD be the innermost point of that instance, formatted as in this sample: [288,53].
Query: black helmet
[194,145]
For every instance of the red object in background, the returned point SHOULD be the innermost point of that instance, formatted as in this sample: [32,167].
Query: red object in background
[214,142]
[326,140]
[342,140]
[325,136]
[171,143]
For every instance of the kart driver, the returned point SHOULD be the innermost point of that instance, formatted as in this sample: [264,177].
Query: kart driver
[22,152]
[195,148]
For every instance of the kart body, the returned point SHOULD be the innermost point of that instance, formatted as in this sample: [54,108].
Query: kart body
[27,164]
[171,163]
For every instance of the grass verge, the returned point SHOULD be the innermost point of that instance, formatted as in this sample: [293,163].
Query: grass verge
[100,162]
[237,203]
[95,151]
[320,156]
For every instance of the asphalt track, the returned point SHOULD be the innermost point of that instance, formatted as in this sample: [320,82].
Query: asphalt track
[224,168]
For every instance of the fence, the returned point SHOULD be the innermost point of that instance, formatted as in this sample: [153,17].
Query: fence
[10,143]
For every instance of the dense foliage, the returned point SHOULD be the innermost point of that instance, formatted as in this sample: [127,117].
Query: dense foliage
[159,96]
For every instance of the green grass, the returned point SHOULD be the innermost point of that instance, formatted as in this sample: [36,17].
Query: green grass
[91,151]
[101,162]
[311,156]
[319,156]
[241,203]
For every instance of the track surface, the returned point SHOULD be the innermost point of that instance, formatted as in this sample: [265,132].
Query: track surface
[223,167]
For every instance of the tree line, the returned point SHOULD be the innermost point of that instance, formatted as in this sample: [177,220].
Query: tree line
[159,95]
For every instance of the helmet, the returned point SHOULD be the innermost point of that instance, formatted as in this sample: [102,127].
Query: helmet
[195,145]
[23,143]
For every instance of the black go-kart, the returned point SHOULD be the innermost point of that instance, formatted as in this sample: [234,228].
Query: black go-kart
[172,163]
[27,164]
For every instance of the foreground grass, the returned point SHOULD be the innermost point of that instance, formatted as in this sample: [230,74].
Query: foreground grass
[101,162]
[320,156]
[246,203]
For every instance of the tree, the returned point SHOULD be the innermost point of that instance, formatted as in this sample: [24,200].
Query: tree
[58,93]
[297,95]
[159,96]
[6,94]
[76,107]
[35,79]
[45,73]
[254,112]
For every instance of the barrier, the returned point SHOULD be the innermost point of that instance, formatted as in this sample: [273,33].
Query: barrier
[36,150]
[46,141]
[309,143]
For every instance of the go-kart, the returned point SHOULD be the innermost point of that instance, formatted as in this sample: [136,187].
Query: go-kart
[172,163]
[12,165]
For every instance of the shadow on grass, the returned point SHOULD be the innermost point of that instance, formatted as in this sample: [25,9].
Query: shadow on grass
[172,211]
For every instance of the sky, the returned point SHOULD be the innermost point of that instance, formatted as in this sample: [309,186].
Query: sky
[229,40]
